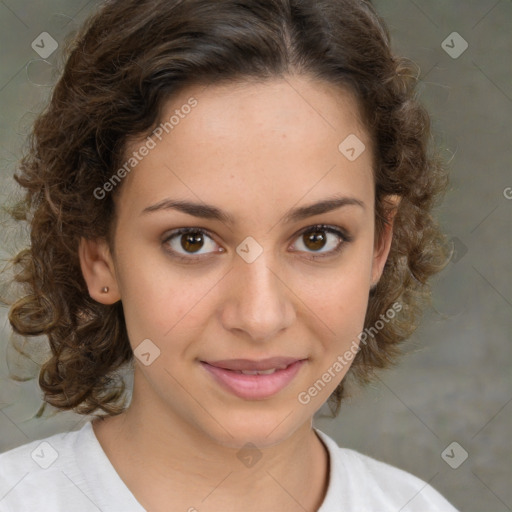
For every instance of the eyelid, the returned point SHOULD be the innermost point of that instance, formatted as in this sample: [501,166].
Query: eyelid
[336,230]
[182,231]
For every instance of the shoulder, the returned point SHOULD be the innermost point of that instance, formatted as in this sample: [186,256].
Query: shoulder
[370,484]
[31,475]
[33,456]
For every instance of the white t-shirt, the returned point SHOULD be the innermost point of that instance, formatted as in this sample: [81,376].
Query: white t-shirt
[70,472]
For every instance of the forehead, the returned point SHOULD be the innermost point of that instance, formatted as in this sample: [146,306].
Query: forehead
[290,106]
[275,141]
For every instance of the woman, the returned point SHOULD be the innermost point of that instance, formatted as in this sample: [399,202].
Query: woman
[228,196]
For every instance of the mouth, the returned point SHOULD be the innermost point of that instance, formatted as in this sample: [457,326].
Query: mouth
[254,380]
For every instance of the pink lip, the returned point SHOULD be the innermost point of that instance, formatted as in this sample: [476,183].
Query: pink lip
[248,364]
[254,387]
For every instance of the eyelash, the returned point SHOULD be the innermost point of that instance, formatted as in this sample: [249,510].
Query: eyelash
[344,236]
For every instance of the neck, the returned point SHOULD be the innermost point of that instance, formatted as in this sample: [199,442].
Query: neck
[165,461]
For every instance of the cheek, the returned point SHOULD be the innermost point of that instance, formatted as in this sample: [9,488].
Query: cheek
[347,310]
[160,300]
[340,300]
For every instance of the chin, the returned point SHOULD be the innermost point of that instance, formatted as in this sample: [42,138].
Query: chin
[263,428]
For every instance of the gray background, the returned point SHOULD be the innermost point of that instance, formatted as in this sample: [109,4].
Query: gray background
[454,384]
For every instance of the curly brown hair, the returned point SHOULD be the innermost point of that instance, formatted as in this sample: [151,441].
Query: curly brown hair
[129,58]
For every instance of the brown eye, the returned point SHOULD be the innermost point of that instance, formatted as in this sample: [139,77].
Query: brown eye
[192,242]
[189,241]
[185,244]
[316,238]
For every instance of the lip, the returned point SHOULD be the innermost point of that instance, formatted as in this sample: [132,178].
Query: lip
[251,365]
[254,387]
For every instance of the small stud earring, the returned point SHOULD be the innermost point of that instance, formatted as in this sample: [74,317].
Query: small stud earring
[104,289]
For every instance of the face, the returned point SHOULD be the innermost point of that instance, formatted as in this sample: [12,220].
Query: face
[261,281]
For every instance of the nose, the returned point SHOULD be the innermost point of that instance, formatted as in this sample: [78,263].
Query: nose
[259,302]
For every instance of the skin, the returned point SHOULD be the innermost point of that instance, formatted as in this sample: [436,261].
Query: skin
[254,151]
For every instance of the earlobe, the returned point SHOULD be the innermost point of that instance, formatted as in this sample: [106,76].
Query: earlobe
[98,270]
[381,251]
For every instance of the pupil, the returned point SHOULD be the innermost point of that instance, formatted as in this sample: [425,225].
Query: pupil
[190,240]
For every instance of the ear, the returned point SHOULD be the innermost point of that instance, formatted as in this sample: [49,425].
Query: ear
[381,250]
[98,270]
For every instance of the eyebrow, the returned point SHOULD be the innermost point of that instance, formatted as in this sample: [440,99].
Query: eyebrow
[206,211]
